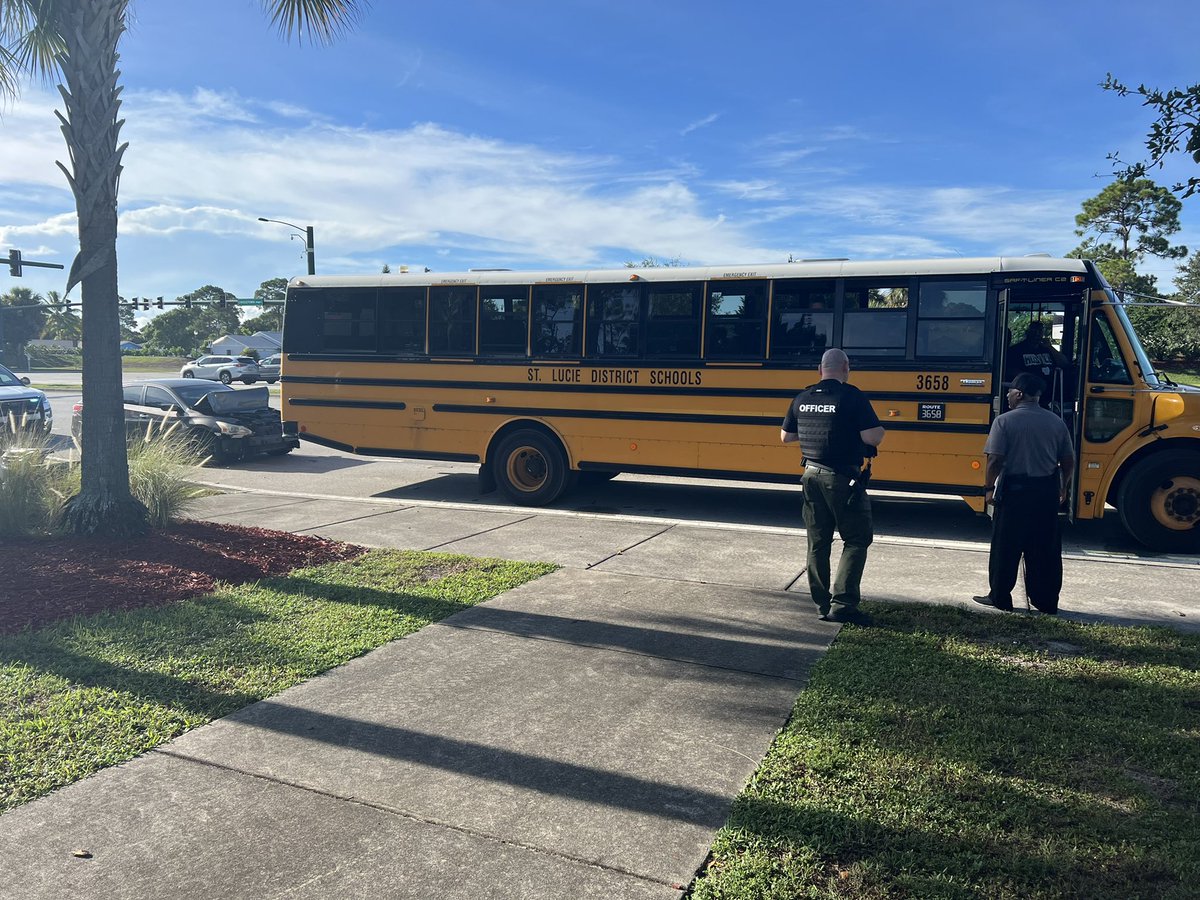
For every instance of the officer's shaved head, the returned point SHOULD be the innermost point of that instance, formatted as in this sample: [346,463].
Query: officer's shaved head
[835,364]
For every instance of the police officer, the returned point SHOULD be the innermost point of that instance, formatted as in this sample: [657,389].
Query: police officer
[834,423]
[1030,460]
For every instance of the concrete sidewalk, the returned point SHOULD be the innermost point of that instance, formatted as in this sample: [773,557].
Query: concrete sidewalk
[581,736]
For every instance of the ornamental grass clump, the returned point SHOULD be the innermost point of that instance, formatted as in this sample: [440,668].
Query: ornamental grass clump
[31,488]
[158,473]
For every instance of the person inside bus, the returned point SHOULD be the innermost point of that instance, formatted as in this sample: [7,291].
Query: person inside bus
[1035,355]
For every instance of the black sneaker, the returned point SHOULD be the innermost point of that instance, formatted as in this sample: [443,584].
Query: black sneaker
[848,615]
[986,600]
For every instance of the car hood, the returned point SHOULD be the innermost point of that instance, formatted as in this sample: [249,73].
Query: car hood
[20,393]
[232,403]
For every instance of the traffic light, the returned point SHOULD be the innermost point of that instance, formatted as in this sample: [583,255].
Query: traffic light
[14,263]
[187,302]
[221,301]
[159,304]
[146,303]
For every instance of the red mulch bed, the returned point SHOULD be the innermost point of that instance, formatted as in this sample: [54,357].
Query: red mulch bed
[42,581]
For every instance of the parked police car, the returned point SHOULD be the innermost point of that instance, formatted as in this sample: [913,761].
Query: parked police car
[22,406]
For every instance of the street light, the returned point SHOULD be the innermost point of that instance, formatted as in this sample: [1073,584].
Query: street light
[307,234]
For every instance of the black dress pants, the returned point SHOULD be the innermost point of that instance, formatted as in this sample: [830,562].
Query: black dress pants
[1026,524]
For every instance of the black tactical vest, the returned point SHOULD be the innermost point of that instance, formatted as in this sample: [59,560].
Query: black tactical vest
[825,436]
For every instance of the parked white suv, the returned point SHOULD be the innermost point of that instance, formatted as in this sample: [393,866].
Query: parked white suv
[223,369]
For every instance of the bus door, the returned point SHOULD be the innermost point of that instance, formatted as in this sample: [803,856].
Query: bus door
[1043,333]
[1111,399]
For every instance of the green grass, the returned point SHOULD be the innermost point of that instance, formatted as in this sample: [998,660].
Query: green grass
[86,694]
[950,754]
[1187,376]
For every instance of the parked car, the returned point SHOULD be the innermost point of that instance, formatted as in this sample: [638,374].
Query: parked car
[225,423]
[268,369]
[22,406]
[222,368]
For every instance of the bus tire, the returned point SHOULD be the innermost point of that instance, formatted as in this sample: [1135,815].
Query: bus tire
[530,467]
[1159,501]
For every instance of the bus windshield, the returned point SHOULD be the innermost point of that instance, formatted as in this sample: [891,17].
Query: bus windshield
[1143,361]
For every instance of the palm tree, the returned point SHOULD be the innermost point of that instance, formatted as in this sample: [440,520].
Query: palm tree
[61,323]
[76,41]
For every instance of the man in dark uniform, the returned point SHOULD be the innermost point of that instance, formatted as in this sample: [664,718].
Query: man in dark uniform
[833,421]
[1030,460]
[1036,355]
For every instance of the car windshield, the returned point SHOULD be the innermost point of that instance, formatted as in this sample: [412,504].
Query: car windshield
[8,379]
[191,394]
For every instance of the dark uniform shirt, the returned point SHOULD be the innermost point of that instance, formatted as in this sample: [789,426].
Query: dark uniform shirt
[827,417]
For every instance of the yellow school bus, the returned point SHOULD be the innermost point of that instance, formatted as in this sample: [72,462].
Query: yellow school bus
[547,377]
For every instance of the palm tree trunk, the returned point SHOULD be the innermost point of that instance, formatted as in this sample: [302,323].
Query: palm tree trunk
[91,29]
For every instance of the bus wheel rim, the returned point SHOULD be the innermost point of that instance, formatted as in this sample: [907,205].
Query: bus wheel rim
[1176,503]
[527,469]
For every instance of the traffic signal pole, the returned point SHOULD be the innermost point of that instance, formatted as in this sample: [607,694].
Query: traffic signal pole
[16,263]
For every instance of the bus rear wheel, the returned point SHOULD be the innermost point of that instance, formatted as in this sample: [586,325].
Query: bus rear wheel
[1159,501]
[530,467]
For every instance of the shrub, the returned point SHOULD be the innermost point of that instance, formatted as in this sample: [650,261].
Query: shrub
[158,473]
[34,485]
[32,488]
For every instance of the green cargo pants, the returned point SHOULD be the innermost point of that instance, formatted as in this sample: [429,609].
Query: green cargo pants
[830,504]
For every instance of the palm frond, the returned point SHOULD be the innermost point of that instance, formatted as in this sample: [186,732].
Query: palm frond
[321,21]
[30,41]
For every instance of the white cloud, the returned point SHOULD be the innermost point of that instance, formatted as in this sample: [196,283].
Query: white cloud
[202,167]
[700,123]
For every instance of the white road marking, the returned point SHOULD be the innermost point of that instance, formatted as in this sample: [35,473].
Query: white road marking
[1124,558]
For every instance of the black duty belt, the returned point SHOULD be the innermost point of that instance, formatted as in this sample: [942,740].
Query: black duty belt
[818,467]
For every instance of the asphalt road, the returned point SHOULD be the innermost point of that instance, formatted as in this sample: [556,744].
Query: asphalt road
[922,519]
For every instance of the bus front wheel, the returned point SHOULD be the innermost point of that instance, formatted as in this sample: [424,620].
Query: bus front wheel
[1159,501]
[530,467]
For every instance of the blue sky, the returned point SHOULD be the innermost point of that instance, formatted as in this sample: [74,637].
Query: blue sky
[585,134]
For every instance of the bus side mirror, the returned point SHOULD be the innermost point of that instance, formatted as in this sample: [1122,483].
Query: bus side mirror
[1166,407]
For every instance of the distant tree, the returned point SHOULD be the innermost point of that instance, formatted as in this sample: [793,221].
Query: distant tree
[386,269]
[1177,121]
[21,325]
[1141,216]
[127,320]
[62,322]
[184,330]
[653,262]
[272,293]
[1188,280]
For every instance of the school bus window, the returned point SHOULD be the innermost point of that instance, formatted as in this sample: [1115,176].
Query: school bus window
[737,319]
[614,320]
[503,320]
[1107,365]
[801,319]
[950,318]
[558,320]
[875,318]
[402,320]
[1106,418]
[348,320]
[452,320]
[672,320]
